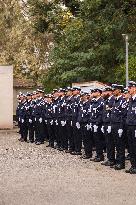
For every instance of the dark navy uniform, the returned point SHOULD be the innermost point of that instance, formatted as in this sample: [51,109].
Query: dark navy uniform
[48,119]
[96,120]
[39,123]
[106,117]
[22,116]
[68,117]
[77,137]
[131,126]
[83,119]
[118,116]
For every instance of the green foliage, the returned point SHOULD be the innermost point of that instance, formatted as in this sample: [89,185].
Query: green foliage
[120,71]
[90,46]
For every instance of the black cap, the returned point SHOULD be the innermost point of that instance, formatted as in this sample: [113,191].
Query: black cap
[131,84]
[61,90]
[125,90]
[40,91]
[34,93]
[107,89]
[82,94]
[117,87]
[28,94]
[49,96]
[97,90]
[76,88]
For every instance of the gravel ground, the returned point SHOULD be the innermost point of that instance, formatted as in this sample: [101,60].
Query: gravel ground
[37,175]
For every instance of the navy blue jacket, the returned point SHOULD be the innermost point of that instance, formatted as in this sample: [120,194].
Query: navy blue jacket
[96,111]
[131,114]
[108,104]
[119,110]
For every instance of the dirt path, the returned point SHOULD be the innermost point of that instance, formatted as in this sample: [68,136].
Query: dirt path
[36,175]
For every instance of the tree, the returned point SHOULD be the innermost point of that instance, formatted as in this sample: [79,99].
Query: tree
[120,71]
[91,46]
[20,45]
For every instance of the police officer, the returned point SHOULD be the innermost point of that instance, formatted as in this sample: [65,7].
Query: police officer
[108,97]
[62,120]
[68,116]
[39,123]
[76,137]
[29,120]
[96,123]
[22,119]
[131,126]
[83,119]
[48,119]
[118,116]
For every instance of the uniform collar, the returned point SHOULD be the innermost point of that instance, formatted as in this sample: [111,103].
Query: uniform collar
[134,97]
[117,98]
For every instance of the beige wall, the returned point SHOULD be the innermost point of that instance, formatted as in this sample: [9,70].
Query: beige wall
[6,97]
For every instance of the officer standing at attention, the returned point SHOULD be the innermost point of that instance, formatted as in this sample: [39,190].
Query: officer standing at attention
[83,119]
[108,97]
[29,117]
[96,120]
[39,124]
[131,126]
[22,119]
[76,126]
[48,118]
[68,115]
[118,116]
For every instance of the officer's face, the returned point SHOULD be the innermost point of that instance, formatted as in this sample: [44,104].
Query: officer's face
[61,94]
[76,92]
[69,93]
[28,97]
[132,90]
[96,94]
[116,92]
[91,96]
[21,98]
[55,94]
[104,94]
[34,96]
[127,96]
[49,100]
[40,94]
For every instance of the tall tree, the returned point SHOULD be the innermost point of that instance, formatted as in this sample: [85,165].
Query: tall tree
[20,45]
[91,45]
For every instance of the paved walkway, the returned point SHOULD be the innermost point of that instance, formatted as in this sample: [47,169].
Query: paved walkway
[36,175]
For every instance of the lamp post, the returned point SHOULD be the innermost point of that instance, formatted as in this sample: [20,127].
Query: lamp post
[126,41]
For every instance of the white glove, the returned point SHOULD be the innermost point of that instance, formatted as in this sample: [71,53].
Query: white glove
[77,125]
[71,123]
[102,129]
[91,126]
[88,127]
[109,129]
[35,119]
[46,121]
[51,122]
[19,119]
[30,121]
[63,123]
[95,128]
[120,131]
[22,120]
[135,133]
[40,120]
[56,122]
